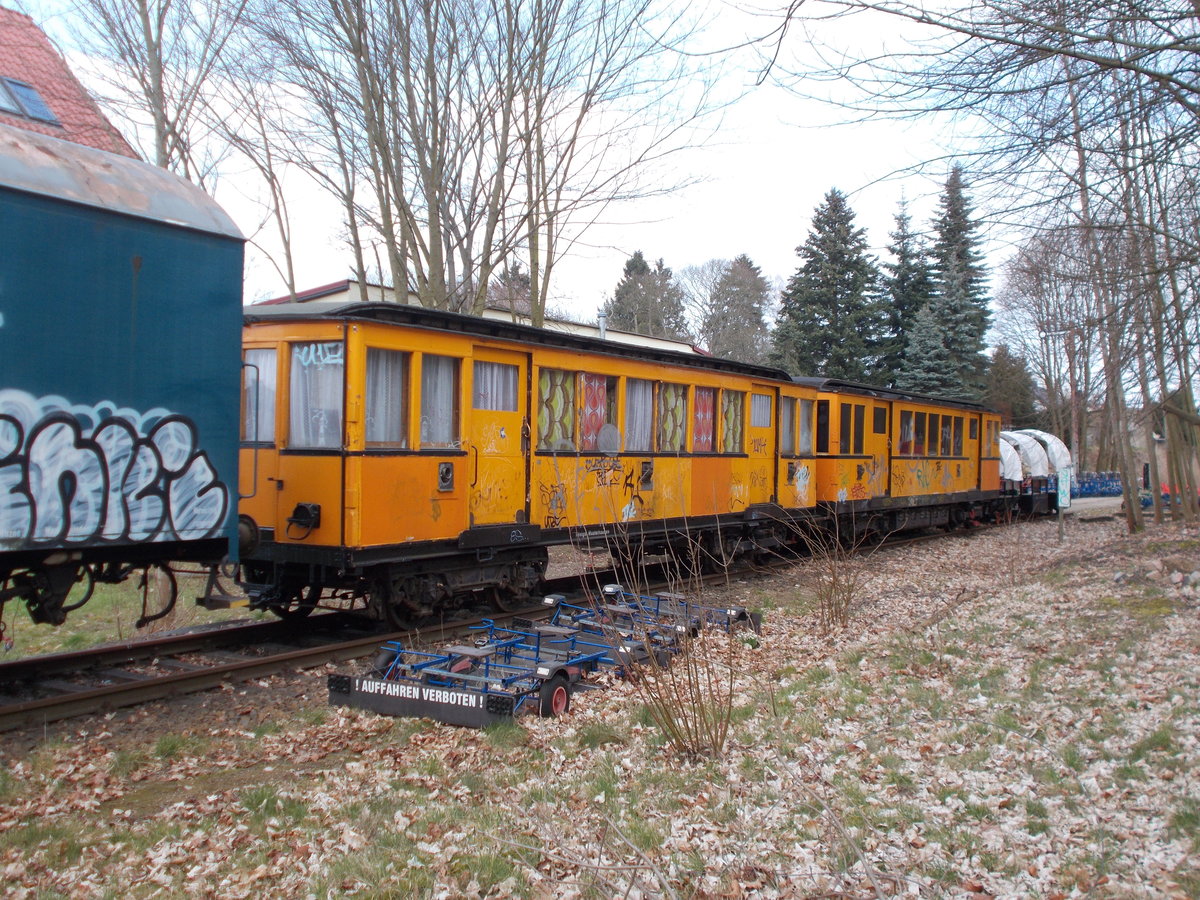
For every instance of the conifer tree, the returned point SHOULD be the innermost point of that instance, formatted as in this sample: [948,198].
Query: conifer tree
[732,324]
[832,322]
[929,368]
[1010,389]
[960,282]
[907,286]
[648,301]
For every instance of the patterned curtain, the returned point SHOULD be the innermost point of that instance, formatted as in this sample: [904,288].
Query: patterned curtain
[672,417]
[556,412]
[732,406]
[702,420]
[594,414]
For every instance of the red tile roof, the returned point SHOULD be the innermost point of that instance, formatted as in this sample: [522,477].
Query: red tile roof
[26,55]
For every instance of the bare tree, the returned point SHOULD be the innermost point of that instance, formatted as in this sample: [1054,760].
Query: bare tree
[484,134]
[1087,116]
[157,59]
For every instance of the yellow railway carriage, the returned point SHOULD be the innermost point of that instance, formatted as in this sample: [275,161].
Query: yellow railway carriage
[416,459]
[895,461]
[412,461]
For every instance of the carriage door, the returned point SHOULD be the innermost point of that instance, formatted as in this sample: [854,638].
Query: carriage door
[761,444]
[498,439]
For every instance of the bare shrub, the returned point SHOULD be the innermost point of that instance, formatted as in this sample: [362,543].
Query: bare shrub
[689,693]
[838,564]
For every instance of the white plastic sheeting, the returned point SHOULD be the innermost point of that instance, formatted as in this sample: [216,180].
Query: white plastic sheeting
[1060,462]
[1034,461]
[1056,450]
[1010,462]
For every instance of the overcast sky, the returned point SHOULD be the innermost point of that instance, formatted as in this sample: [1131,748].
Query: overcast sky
[757,181]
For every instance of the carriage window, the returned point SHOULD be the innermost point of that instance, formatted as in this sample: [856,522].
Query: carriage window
[556,410]
[860,427]
[958,436]
[947,432]
[439,402]
[599,409]
[806,427]
[495,387]
[932,448]
[672,417]
[387,403]
[704,421]
[733,406]
[787,425]
[973,430]
[919,435]
[906,432]
[844,428]
[822,426]
[258,396]
[760,410]
[639,415]
[315,391]
[880,424]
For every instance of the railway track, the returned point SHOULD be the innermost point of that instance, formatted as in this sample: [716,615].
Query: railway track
[42,689]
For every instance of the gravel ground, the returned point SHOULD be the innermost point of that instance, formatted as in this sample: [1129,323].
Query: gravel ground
[1003,715]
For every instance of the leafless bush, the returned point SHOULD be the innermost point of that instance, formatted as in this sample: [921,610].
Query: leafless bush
[839,556]
[689,693]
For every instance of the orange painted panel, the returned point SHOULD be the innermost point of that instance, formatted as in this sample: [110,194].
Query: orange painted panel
[399,500]
[712,485]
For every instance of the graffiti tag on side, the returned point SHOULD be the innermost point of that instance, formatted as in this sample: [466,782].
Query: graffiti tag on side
[73,474]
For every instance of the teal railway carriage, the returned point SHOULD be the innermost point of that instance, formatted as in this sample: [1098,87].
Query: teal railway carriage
[120,312]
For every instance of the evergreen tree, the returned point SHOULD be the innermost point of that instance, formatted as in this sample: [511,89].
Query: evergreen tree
[1010,389]
[929,368]
[907,286]
[732,325]
[960,282]
[648,301]
[832,321]
[511,290]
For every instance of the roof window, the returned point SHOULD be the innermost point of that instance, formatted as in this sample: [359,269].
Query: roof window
[21,99]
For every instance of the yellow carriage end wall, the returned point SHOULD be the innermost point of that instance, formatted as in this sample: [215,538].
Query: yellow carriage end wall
[277,477]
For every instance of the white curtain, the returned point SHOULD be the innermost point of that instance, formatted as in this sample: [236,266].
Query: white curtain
[760,410]
[258,396]
[806,428]
[439,389]
[639,415]
[385,397]
[315,417]
[787,425]
[495,386]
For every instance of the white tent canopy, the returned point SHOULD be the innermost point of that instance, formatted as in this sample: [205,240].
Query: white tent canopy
[1056,450]
[1034,460]
[1010,462]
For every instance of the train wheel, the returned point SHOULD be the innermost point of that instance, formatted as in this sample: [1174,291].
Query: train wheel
[297,603]
[554,697]
[508,601]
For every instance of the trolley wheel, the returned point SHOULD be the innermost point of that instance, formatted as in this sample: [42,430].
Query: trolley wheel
[297,603]
[554,697]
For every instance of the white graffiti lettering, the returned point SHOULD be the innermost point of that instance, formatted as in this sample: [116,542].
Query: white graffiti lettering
[72,474]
